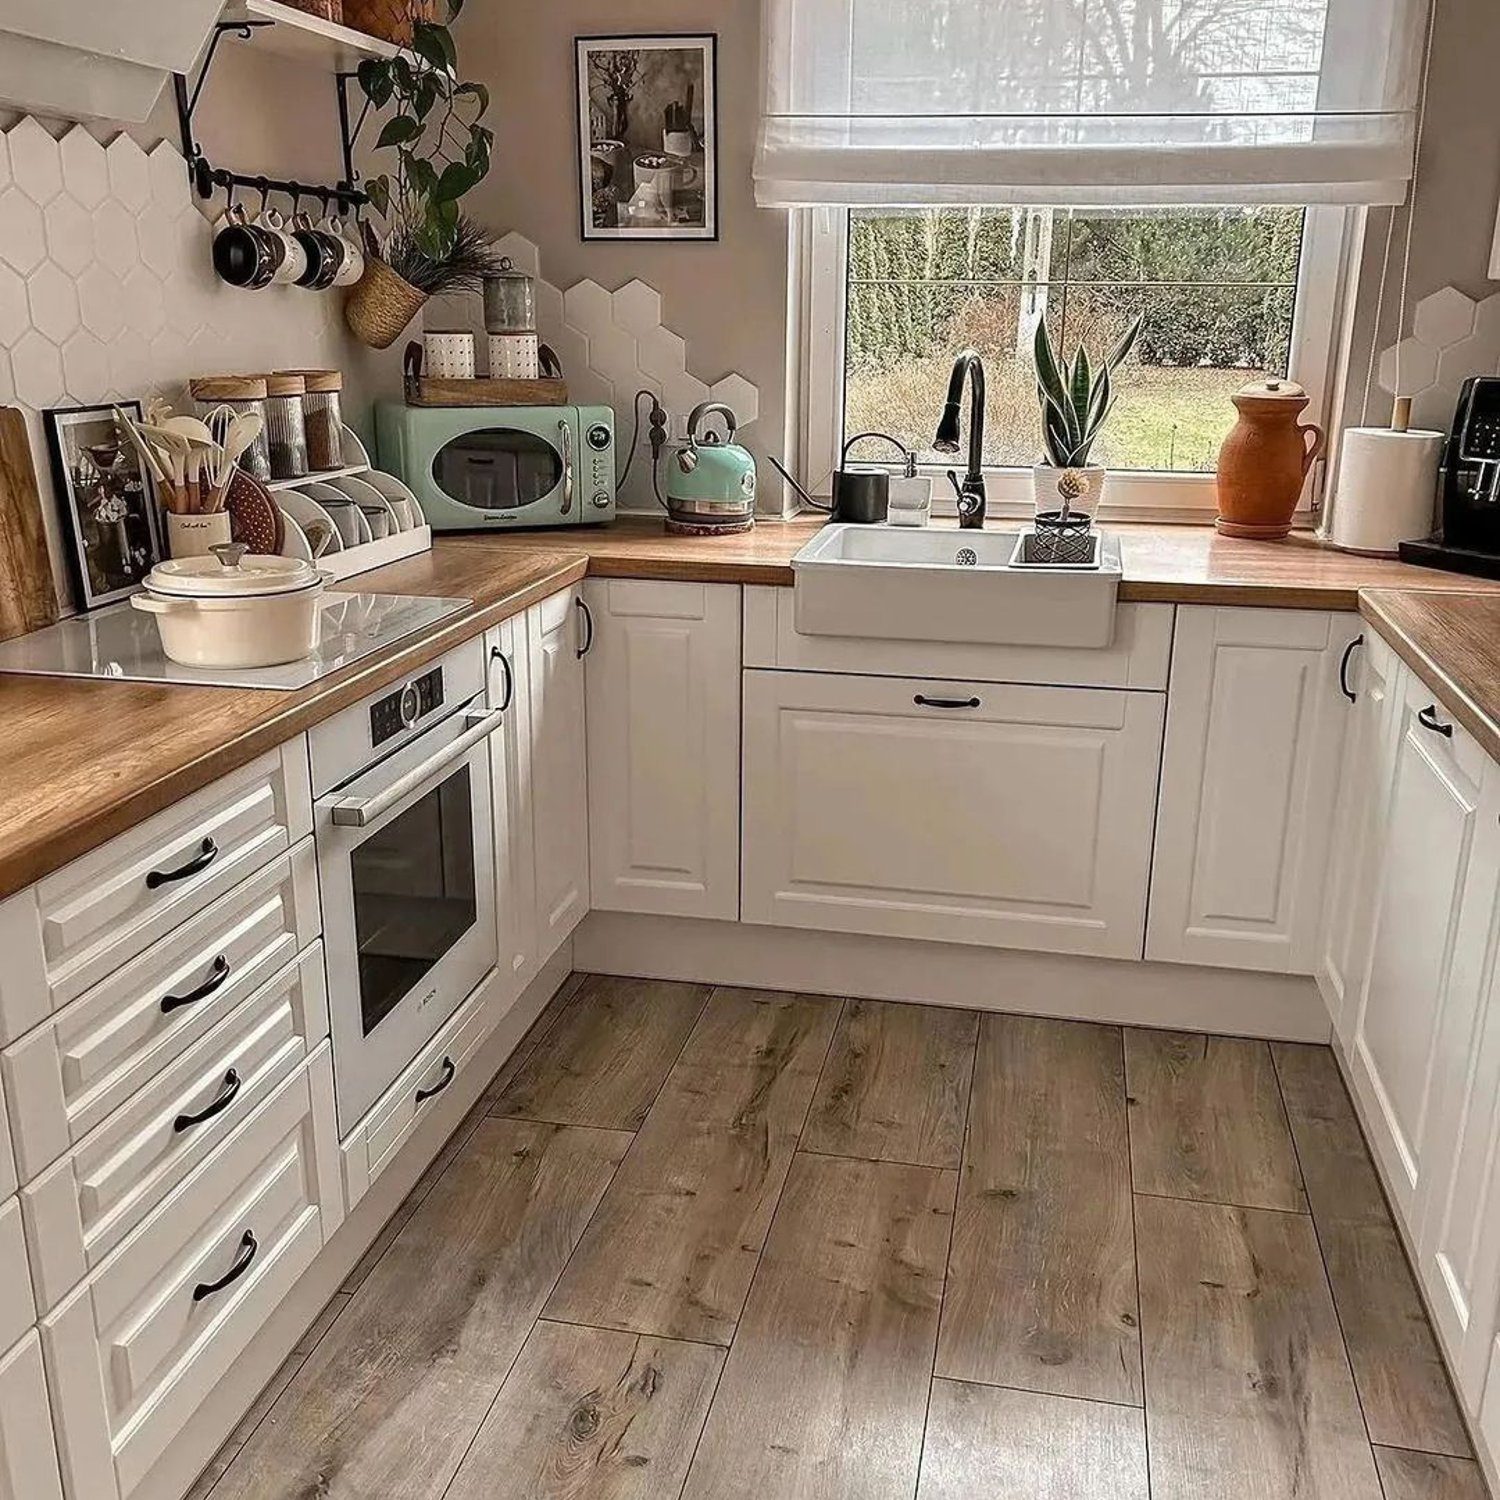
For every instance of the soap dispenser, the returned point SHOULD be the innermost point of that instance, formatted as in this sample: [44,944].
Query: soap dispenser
[910,497]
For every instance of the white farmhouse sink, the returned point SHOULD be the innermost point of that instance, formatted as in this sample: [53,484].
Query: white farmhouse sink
[930,584]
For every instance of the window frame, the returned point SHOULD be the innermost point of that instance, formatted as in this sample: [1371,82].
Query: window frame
[1332,241]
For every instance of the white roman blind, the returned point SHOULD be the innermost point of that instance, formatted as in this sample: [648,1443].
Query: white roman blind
[1088,102]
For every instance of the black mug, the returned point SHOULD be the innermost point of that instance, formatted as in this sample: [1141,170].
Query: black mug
[245,254]
[325,254]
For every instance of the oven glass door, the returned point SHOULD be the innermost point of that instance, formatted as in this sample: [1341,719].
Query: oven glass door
[409,902]
[507,471]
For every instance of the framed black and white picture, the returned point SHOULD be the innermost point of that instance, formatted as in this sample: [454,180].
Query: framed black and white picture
[107,499]
[648,137]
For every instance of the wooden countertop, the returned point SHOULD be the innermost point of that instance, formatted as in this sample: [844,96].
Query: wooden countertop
[87,759]
[1452,641]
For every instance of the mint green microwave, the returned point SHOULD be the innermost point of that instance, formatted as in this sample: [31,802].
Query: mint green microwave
[502,467]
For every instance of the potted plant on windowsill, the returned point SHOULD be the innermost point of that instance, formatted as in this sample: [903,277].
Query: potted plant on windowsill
[429,247]
[1076,401]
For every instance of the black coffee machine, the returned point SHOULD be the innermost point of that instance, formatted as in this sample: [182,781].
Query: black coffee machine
[1469,541]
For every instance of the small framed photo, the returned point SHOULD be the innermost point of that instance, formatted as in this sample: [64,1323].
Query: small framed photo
[107,499]
[648,137]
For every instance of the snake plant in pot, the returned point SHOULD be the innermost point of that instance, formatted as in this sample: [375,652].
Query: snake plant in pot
[428,246]
[1076,401]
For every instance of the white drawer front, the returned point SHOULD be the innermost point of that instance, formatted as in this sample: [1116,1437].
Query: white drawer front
[134,1350]
[17,1309]
[100,911]
[81,1208]
[371,1145]
[67,1076]
[28,1458]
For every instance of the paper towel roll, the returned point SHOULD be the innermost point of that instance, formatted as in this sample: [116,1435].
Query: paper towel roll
[1387,489]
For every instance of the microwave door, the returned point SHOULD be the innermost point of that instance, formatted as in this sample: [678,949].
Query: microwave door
[505,473]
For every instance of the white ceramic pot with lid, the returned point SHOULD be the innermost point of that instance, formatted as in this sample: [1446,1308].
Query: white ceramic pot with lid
[234,608]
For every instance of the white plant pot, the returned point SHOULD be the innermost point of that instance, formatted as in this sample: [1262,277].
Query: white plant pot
[1045,495]
[196,534]
[264,630]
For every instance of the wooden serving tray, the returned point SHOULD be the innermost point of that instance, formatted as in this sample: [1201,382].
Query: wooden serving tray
[425,391]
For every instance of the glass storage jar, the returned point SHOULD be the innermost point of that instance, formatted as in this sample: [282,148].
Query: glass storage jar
[243,394]
[509,301]
[322,417]
[285,432]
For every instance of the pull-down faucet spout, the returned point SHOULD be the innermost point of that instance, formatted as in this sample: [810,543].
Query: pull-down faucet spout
[971,499]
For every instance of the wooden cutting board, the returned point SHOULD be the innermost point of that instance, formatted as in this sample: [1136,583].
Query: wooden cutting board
[28,599]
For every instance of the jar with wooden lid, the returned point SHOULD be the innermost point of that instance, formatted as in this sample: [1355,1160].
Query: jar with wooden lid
[322,417]
[243,394]
[285,429]
[1264,462]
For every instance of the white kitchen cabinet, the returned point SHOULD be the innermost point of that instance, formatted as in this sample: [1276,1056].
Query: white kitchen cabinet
[558,632]
[1417,964]
[28,1457]
[509,690]
[1375,676]
[1255,726]
[1002,815]
[664,748]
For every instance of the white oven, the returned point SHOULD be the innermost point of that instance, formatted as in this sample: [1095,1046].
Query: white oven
[406,864]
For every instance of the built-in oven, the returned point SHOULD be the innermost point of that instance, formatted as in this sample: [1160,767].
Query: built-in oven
[406,865]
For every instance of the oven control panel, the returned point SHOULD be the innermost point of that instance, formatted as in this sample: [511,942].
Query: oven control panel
[400,709]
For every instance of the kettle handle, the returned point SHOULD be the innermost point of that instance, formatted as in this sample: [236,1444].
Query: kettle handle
[1315,447]
[706,409]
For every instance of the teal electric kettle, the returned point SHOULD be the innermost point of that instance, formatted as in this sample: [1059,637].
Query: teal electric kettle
[710,480]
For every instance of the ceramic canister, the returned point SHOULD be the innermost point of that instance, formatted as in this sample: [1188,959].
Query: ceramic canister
[448,354]
[513,356]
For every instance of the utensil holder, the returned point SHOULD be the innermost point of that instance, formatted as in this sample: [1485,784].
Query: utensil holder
[198,533]
[1060,539]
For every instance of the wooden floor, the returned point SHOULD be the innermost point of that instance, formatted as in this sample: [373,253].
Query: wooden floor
[732,1245]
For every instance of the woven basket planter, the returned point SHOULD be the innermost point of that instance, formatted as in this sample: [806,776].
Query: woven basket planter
[380,305]
[388,19]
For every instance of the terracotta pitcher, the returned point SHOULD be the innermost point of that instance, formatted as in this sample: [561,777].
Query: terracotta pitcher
[1264,461]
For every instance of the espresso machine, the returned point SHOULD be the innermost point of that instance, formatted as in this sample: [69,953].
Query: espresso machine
[1469,541]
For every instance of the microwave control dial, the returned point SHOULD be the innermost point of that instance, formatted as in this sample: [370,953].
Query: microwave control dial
[601,499]
[598,437]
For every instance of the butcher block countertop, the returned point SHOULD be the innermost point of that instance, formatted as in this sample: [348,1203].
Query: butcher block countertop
[86,759]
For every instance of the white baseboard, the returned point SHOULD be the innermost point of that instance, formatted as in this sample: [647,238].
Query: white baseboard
[1231,1002]
[221,1412]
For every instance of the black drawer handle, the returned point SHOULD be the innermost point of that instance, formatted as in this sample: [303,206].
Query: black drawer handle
[923,701]
[248,1246]
[496,654]
[1344,661]
[423,1095]
[216,977]
[205,856]
[220,1104]
[1428,719]
[588,627]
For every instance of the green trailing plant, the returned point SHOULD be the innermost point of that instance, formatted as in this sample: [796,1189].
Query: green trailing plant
[435,129]
[1077,398]
[469,259]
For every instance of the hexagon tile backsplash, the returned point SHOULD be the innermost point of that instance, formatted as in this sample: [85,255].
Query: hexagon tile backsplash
[106,287]
[1452,337]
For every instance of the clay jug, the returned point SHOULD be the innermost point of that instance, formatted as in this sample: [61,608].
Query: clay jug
[1264,461]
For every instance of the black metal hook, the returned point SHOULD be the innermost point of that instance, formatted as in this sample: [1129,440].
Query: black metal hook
[264,184]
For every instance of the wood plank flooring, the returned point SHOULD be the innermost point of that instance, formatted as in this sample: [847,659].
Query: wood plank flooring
[845,1251]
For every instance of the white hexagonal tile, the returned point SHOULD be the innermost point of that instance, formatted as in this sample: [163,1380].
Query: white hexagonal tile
[85,172]
[35,166]
[588,308]
[742,398]
[637,308]
[1479,354]
[572,350]
[114,236]
[549,307]
[145,306]
[1444,318]
[612,354]
[37,370]
[524,255]
[101,302]
[85,368]
[1487,319]
[4,161]
[1408,368]
[15,316]
[22,241]
[680,395]
[53,300]
[663,355]
[7,383]
[168,175]
[159,237]
[70,237]
[129,177]
[129,367]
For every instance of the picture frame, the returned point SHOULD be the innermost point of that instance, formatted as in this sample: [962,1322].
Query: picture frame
[647,136]
[110,511]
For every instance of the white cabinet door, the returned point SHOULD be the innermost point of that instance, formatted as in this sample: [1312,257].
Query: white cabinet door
[1430,824]
[1374,676]
[969,813]
[1458,1229]
[558,632]
[664,748]
[509,689]
[28,1459]
[1255,725]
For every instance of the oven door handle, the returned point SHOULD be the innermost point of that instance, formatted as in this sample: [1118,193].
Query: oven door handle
[360,812]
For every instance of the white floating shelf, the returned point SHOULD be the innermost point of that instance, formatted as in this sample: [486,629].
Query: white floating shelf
[309,39]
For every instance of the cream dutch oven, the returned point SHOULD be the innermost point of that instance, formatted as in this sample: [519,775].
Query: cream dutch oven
[235,608]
